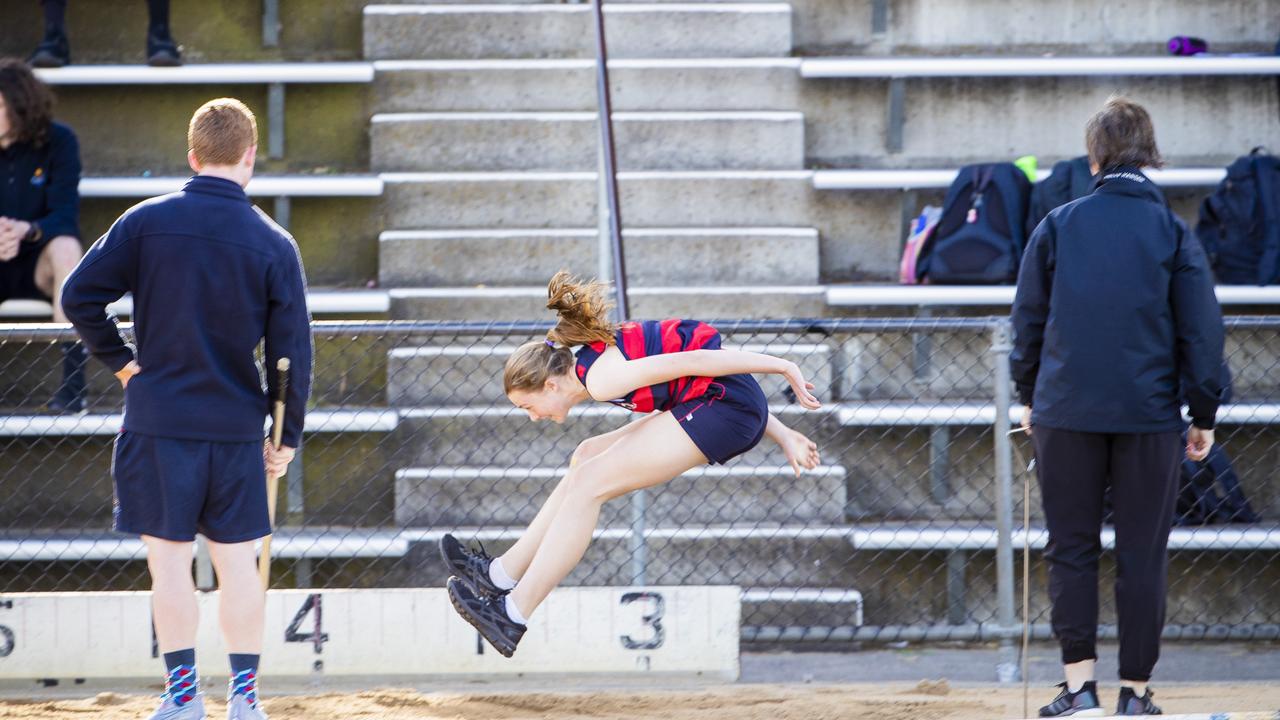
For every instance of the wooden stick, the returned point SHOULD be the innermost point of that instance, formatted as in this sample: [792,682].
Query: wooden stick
[273,482]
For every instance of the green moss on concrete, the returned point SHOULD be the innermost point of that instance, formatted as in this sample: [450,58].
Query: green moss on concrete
[225,31]
[135,129]
[338,236]
[348,480]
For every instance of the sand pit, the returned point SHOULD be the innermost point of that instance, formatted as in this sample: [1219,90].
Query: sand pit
[929,700]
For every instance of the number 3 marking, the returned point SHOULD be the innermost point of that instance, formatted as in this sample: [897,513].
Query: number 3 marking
[653,621]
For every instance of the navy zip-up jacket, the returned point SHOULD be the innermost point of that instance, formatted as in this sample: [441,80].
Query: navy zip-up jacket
[1115,319]
[211,277]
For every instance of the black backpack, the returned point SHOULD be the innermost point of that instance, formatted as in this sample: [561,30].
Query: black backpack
[1239,223]
[1069,180]
[980,238]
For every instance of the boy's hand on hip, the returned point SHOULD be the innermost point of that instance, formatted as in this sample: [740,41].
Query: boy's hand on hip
[126,373]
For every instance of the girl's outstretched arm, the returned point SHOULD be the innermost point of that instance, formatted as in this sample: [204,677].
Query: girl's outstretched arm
[614,376]
[801,452]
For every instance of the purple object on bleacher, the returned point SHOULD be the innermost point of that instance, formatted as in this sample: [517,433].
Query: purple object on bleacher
[1186,45]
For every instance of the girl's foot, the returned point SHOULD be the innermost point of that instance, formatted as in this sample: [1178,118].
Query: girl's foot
[470,565]
[487,615]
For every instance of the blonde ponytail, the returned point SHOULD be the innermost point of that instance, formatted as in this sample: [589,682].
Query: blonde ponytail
[583,309]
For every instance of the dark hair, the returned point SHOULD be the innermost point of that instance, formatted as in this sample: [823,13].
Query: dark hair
[1121,134]
[29,102]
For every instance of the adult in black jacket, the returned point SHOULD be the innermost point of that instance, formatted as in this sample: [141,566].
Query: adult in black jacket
[1115,323]
[39,209]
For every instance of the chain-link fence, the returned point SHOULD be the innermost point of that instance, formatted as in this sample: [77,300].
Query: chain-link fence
[910,529]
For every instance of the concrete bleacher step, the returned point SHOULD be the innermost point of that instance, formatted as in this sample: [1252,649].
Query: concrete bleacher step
[731,198]
[856,240]
[464,496]
[530,303]
[1087,27]
[655,256]
[951,120]
[556,30]
[686,84]
[483,141]
[505,437]
[442,376]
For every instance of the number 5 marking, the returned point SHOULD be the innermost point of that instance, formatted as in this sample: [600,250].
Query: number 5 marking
[653,620]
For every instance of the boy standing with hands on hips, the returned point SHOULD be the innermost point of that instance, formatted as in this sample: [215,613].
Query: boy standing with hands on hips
[211,277]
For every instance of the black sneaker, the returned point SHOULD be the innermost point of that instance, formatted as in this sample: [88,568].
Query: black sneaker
[162,51]
[1080,704]
[470,565]
[1131,704]
[52,52]
[487,615]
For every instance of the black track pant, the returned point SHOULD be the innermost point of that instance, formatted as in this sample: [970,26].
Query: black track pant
[1075,470]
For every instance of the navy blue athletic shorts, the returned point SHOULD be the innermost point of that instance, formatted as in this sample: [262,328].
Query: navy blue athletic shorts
[726,421]
[172,489]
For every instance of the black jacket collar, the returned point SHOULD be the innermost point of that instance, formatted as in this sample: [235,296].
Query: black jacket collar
[215,186]
[1128,180]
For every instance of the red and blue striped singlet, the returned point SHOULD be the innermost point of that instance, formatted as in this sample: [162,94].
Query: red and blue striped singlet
[639,339]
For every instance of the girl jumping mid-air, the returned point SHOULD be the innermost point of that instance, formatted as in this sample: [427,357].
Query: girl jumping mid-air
[708,409]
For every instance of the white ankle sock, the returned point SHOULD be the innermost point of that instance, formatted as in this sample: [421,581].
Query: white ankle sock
[1138,688]
[499,576]
[513,612]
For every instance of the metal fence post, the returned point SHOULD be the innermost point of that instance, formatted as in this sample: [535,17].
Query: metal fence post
[1001,345]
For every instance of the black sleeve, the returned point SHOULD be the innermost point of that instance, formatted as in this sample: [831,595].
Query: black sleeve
[62,189]
[288,334]
[1031,309]
[1198,323]
[104,275]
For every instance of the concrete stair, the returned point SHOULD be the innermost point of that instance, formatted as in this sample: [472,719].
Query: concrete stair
[557,85]
[463,496]
[655,256]
[568,31]
[461,142]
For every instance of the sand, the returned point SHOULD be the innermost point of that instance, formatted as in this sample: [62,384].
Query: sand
[929,700]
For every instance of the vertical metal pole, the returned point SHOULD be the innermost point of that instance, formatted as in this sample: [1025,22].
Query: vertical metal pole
[1001,345]
[610,158]
[284,211]
[275,120]
[609,177]
[270,23]
[897,115]
[204,565]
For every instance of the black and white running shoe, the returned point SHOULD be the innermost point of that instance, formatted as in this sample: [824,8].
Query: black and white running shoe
[1075,704]
[1131,704]
[487,614]
[470,565]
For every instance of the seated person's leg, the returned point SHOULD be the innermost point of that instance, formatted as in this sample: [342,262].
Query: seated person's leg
[162,50]
[55,263]
[53,50]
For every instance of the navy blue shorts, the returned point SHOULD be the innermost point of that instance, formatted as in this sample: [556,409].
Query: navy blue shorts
[728,420]
[172,489]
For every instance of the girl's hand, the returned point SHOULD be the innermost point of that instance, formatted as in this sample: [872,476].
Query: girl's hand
[801,452]
[801,387]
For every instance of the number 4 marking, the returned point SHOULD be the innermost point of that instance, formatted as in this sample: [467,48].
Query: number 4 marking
[653,621]
[317,636]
